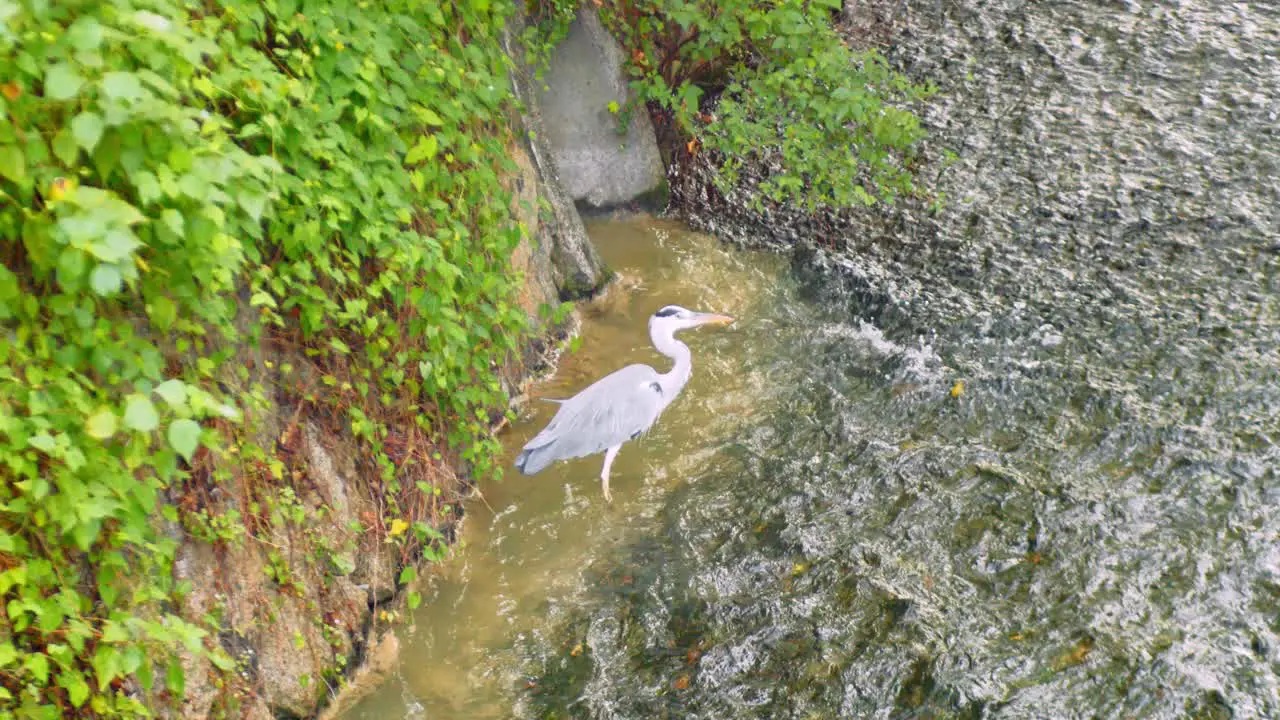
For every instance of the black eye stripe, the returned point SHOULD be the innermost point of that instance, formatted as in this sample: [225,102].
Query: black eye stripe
[666,312]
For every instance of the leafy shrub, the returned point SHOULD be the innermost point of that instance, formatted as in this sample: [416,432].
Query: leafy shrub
[336,167]
[790,95]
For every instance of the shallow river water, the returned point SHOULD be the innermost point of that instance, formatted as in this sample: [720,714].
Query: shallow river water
[528,554]
[1015,458]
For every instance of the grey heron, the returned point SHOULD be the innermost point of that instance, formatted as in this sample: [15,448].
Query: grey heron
[620,406]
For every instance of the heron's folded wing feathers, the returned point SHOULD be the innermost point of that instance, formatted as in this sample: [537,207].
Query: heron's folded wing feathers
[613,410]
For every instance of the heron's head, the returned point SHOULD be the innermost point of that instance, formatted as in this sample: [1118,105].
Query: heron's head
[674,318]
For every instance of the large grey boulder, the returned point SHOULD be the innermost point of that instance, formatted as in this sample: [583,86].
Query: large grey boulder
[557,259]
[599,167]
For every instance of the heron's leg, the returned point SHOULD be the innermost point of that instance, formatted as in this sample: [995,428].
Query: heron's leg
[604,472]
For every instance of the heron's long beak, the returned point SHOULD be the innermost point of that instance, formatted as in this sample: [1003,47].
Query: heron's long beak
[713,319]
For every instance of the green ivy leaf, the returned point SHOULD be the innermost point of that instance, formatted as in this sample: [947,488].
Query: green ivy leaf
[105,280]
[114,632]
[204,86]
[430,117]
[65,147]
[174,678]
[262,299]
[140,414]
[13,164]
[152,21]
[62,82]
[174,392]
[146,673]
[38,665]
[172,219]
[115,246]
[414,599]
[226,411]
[72,265]
[163,312]
[122,85]
[253,203]
[426,149]
[43,442]
[222,660]
[77,689]
[85,34]
[102,424]
[148,187]
[184,437]
[106,665]
[87,128]
[8,653]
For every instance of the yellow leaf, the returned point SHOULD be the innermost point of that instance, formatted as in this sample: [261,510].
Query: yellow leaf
[398,527]
[58,188]
[957,390]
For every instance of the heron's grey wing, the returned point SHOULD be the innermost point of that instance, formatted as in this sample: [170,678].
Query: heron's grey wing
[614,409]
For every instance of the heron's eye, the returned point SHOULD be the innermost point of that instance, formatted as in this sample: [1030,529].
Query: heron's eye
[667,311]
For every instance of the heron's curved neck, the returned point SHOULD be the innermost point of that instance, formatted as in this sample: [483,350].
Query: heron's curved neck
[675,379]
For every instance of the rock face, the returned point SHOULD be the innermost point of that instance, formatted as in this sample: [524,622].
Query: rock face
[599,167]
[294,607]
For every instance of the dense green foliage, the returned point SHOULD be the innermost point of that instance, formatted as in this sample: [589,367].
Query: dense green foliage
[790,96]
[177,180]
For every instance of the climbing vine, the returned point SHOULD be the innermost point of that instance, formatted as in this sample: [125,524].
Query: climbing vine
[180,180]
[547,23]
